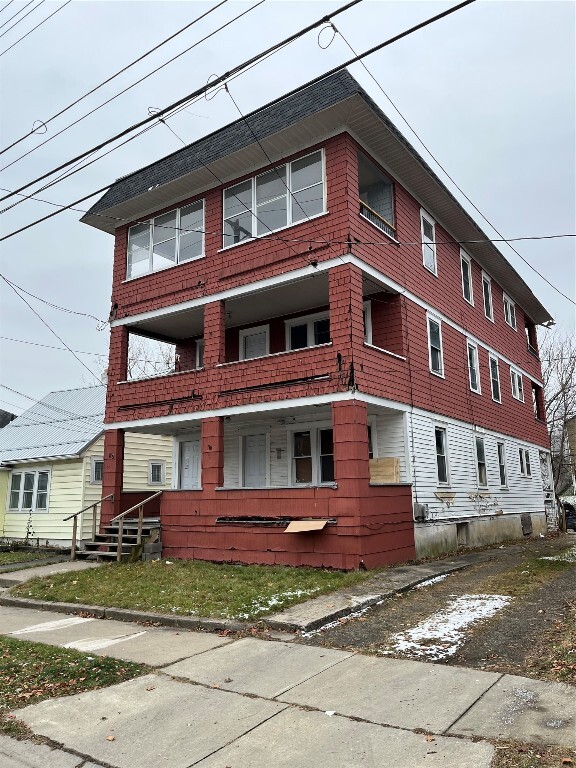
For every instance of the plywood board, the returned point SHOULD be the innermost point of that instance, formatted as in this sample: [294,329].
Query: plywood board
[301,526]
[385,470]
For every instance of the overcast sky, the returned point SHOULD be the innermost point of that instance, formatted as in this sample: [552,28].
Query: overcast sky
[490,90]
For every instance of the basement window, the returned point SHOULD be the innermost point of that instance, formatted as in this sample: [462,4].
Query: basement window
[376,196]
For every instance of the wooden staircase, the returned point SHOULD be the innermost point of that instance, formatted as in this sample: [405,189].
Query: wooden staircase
[104,546]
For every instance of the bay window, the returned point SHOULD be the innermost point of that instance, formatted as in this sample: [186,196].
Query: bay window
[275,199]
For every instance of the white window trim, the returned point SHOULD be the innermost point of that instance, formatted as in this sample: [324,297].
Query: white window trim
[474,346]
[504,464]
[247,432]
[464,257]
[490,358]
[309,321]
[441,483]
[200,345]
[314,430]
[525,466]
[289,197]
[93,460]
[244,332]
[177,263]
[424,215]
[27,510]
[162,464]
[517,384]
[435,319]
[479,484]
[506,300]
[488,280]
[367,306]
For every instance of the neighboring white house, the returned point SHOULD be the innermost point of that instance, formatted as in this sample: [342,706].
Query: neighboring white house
[51,462]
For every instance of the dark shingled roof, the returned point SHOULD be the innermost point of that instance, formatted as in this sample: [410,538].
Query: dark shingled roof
[264,122]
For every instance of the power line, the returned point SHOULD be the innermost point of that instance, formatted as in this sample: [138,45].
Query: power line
[51,346]
[16,14]
[36,27]
[60,339]
[112,77]
[22,17]
[6,6]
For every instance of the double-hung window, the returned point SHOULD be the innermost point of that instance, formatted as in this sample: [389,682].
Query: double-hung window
[473,367]
[435,355]
[481,463]
[502,464]
[524,456]
[275,199]
[172,238]
[308,331]
[495,379]
[428,231]
[466,269]
[29,490]
[487,294]
[509,311]
[312,457]
[516,383]
[441,455]
[96,469]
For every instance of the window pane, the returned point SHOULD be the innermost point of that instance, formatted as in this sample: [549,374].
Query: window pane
[237,229]
[98,471]
[434,334]
[238,199]
[156,473]
[327,469]
[272,215]
[302,444]
[429,257]
[190,246]
[41,500]
[322,331]
[164,227]
[527,457]
[303,470]
[271,184]
[442,469]
[482,480]
[299,336]
[466,280]
[306,171]
[472,364]
[164,255]
[436,360]
[480,450]
[14,499]
[27,500]
[192,216]
[326,441]
[308,202]
[375,190]
[43,481]
[487,298]
[440,438]
[16,482]
[428,230]
[138,250]
[29,481]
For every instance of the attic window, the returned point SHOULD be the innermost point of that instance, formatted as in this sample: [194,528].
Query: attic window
[376,196]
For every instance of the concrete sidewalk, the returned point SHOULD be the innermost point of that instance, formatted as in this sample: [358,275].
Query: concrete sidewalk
[217,702]
[14,577]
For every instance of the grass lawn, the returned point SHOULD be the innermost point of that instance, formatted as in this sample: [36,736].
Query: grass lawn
[7,558]
[516,755]
[525,578]
[31,672]
[187,587]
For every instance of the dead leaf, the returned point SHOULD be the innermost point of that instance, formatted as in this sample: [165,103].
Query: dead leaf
[110,738]
[430,738]
[567,761]
[151,688]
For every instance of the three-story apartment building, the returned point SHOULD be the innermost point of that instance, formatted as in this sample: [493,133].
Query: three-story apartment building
[357,377]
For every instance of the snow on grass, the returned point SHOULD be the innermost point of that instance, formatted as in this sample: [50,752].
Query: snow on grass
[434,580]
[257,608]
[444,632]
[569,556]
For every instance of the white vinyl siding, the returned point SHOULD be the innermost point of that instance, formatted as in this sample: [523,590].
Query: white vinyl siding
[139,449]
[428,232]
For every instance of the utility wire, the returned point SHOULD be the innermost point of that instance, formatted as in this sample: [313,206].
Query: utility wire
[60,339]
[36,27]
[6,6]
[16,14]
[429,151]
[112,77]
[51,346]
[22,18]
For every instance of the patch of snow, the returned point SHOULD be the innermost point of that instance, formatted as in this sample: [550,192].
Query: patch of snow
[434,580]
[444,632]
[339,622]
[257,607]
[569,556]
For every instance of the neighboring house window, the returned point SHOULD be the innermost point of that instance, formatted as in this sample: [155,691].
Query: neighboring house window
[525,470]
[487,293]
[473,367]
[167,240]
[367,317]
[537,401]
[481,462]
[29,490]
[531,339]
[428,229]
[495,379]
[96,469]
[254,342]
[509,312]
[275,199]
[441,455]
[466,269]
[308,331]
[376,196]
[435,355]
[502,463]
[155,472]
[199,353]
[313,457]
[516,382]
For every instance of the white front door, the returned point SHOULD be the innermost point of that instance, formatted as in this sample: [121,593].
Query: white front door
[190,464]
[254,461]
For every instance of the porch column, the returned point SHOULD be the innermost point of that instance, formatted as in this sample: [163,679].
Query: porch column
[346,316]
[113,475]
[350,431]
[118,355]
[213,452]
[214,333]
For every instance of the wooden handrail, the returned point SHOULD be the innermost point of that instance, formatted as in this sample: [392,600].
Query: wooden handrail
[120,519]
[74,517]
